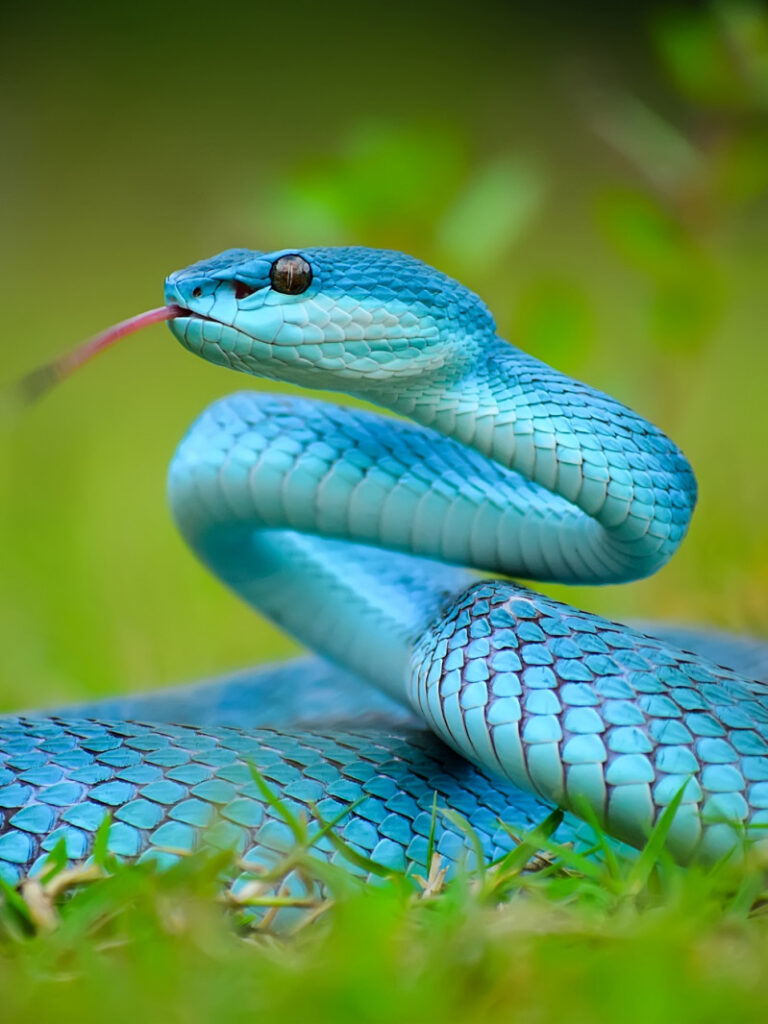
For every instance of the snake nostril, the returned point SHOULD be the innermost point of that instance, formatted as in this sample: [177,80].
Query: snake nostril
[197,292]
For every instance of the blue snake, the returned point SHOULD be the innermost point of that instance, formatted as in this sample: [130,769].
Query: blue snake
[361,534]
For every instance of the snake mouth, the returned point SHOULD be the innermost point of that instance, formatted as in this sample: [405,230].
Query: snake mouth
[191,314]
[188,315]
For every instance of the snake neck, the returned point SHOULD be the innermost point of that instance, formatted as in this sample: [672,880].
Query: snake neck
[563,484]
[568,439]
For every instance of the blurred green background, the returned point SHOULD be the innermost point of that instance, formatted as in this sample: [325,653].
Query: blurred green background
[597,172]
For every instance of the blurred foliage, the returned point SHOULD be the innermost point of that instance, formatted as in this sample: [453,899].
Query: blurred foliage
[544,934]
[699,179]
[718,57]
[612,218]
[413,187]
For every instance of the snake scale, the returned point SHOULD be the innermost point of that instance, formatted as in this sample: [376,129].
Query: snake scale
[357,533]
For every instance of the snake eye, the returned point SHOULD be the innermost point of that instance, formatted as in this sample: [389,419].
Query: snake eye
[291,275]
[242,290]
[197,292]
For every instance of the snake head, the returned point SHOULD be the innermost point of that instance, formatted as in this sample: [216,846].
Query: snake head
[347,319]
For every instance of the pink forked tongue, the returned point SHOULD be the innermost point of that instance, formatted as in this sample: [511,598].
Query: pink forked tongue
[35,384]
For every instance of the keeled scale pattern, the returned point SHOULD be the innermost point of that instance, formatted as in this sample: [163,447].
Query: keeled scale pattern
[564,483]
[577,708]
[170,788]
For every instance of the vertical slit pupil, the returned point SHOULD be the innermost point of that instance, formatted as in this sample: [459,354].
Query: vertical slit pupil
[290,275]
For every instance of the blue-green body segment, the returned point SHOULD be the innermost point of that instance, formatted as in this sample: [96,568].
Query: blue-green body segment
[355,532]
[578,709]
[167,787]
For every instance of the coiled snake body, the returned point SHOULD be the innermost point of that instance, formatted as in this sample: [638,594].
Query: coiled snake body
[347,528]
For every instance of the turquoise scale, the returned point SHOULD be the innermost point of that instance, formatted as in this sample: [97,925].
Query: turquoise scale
[389,776]
[351,530]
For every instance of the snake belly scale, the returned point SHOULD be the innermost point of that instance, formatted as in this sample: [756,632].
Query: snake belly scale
[356,532]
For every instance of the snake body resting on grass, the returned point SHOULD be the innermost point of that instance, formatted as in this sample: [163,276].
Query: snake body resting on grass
[347,528]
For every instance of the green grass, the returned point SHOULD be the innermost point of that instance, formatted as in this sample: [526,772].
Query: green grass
[546,934]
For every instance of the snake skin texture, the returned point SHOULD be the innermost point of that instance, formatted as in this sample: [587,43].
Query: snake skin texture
[166,786]
[353,531]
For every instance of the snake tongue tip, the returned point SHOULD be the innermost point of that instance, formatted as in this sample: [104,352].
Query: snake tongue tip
[23,393]
[35,385]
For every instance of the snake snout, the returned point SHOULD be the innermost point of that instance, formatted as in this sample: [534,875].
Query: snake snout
[185,291]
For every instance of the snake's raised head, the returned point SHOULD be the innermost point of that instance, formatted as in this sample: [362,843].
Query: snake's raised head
[350,319]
